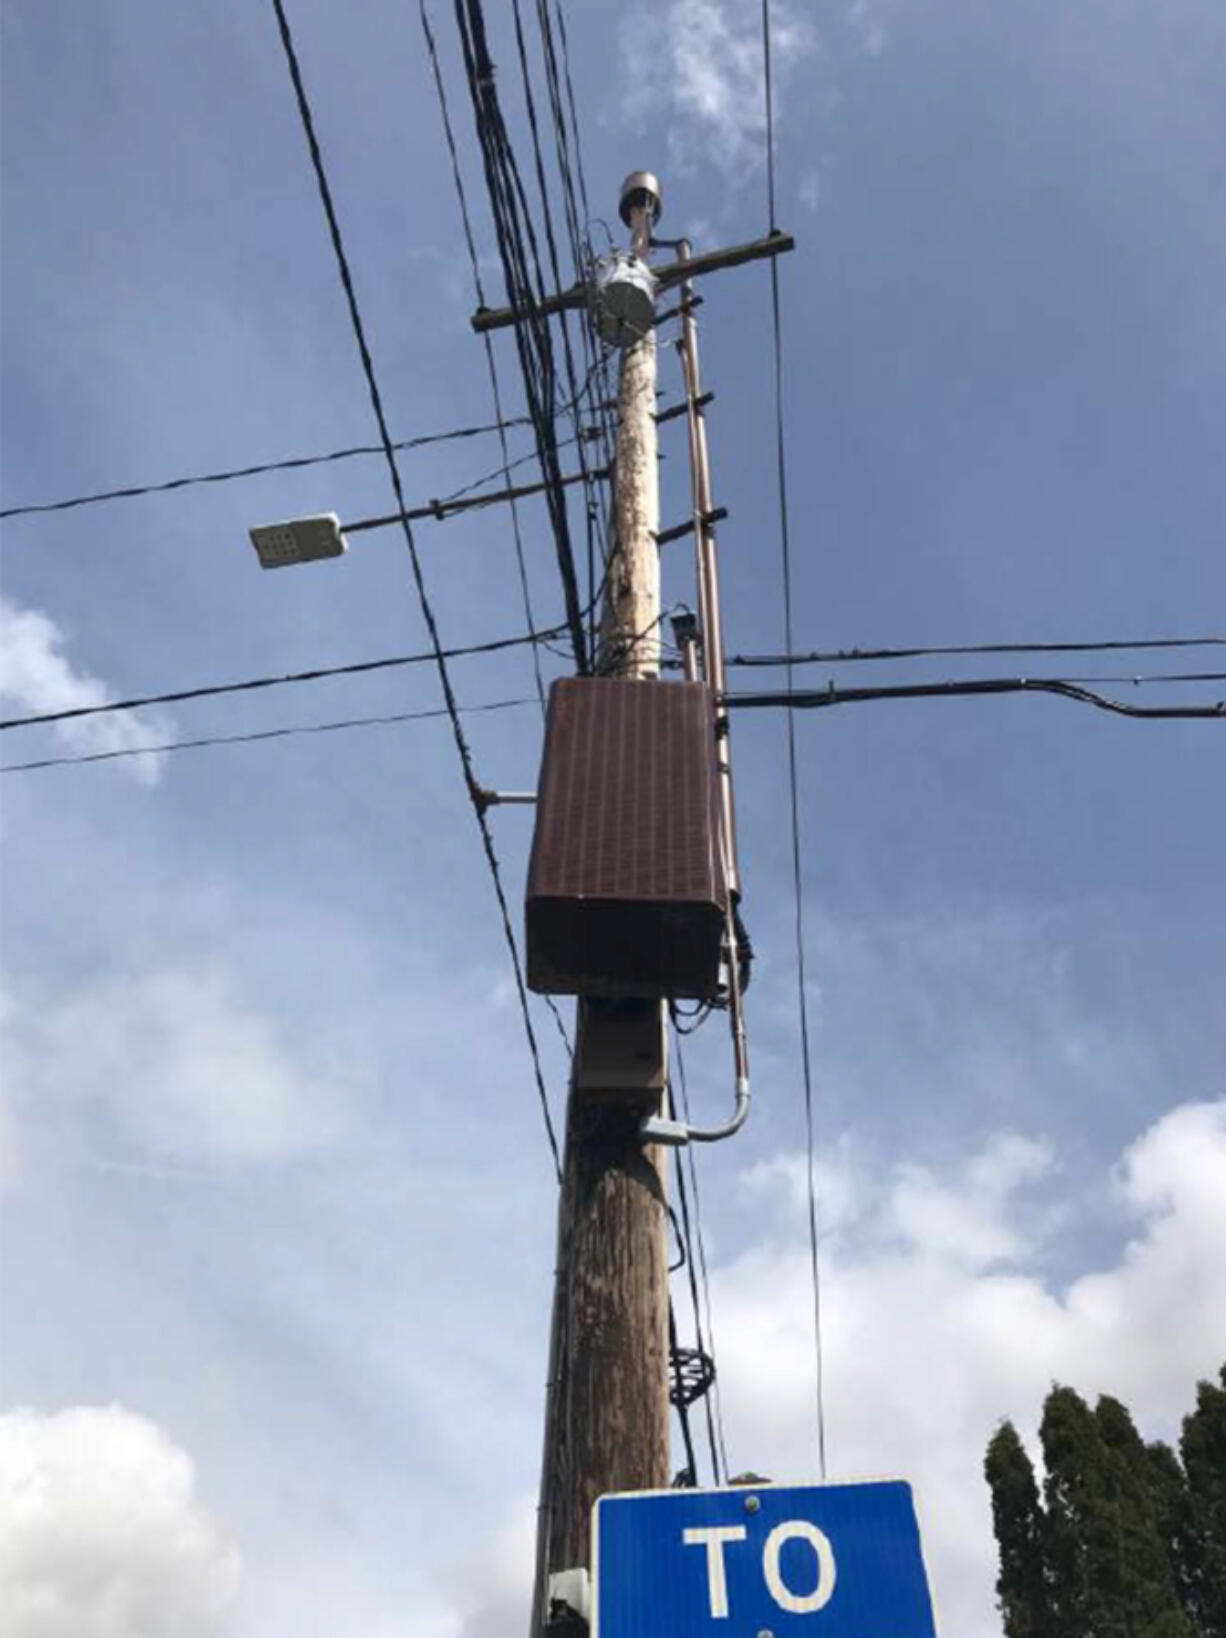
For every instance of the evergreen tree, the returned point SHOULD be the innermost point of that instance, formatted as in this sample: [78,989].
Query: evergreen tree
[1146,1600]
[1111,1577]
[1203,1448]
[1079,1526]
[1175,1517]
[1018,1520]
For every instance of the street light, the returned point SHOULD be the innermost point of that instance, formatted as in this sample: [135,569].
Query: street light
[302,540]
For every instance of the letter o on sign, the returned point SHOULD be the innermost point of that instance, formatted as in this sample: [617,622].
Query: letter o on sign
[823,1592]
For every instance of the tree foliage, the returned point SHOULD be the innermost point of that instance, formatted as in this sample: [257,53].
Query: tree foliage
[1018,1516]
[1127,1541]
[1202,1446]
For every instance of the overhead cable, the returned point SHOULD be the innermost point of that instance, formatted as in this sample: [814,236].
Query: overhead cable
[712,1403]
[798,901]
[289,465]
[252,684]
[423,598]
[840,656]
[249,739]
[457,176]
[595,354]
[814,699]
[568,358]
[518,252]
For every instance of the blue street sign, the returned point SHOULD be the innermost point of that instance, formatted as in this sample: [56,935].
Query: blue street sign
[822,1561]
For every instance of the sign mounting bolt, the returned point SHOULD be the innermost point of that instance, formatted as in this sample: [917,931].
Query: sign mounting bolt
[752,1504]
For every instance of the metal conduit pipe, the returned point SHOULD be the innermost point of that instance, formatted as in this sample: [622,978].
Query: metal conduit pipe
[676,1133]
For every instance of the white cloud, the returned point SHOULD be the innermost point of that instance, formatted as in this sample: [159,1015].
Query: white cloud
[939,1321]
[35,676]
[10,1150]
[504,1575]
[101,1533]
[173,1063]
[867,27]
[700,62]
[967,1221]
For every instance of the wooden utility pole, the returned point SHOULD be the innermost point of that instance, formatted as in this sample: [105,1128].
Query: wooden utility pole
[608,1402]
[607,1399]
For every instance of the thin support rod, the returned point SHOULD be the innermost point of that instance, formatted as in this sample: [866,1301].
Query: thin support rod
[707,564]
[444,509]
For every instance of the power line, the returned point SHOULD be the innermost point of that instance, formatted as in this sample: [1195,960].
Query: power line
[248,739]
[839,656]
[253,684]
[571,211]
[518,252]
[427,611]
[289,465]
[813,699]
[541,639]
[802,995]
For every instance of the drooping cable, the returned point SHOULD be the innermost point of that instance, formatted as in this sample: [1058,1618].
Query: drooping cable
[252,738]
[802,994]
[712,1402]
[423,598]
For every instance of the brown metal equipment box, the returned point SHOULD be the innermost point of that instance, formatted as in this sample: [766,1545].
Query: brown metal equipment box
[626,890]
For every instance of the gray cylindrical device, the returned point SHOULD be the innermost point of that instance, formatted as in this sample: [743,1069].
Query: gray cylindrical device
[623,299]
[641,191]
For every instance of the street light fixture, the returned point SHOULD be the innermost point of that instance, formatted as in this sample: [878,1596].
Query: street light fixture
[302,540]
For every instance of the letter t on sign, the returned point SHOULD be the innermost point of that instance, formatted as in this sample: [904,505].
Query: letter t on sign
[713,1537]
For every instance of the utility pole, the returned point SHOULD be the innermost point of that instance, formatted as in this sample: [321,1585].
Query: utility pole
[607,1408]
[607,1394]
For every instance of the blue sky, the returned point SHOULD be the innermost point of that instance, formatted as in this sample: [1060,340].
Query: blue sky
[278,1207]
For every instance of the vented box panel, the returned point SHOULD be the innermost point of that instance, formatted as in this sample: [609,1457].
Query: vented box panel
[626,894]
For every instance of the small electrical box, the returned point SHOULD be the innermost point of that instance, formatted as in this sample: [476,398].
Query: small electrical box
[626,889]
[621,1054]
[302,541]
